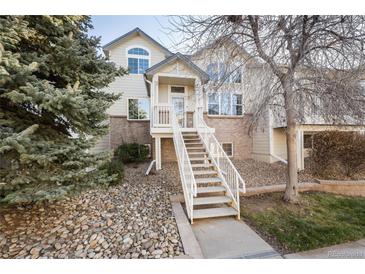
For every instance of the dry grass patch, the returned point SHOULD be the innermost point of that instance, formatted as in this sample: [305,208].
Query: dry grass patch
[318,220]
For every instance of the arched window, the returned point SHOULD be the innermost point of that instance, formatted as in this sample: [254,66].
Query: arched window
[138,51]
[138,60]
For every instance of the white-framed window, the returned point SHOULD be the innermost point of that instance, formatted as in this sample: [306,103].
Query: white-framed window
[138,60]
[225,104]
[228,149]
[308,141]
[218,72]
[138,109]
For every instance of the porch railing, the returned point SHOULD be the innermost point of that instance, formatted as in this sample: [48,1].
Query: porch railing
[185,169]
[225,168]
[162,115]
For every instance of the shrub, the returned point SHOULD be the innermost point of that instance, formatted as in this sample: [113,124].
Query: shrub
[336,154]
[115,166]
[129,153]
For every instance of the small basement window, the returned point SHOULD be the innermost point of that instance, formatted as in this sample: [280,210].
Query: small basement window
[308,141]
[228,149]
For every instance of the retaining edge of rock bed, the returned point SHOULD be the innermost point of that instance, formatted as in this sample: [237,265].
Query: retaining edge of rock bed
[348,188]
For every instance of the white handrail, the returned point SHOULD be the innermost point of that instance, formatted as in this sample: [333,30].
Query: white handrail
[225,168]
[185,169]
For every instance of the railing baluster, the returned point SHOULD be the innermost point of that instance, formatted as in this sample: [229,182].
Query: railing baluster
[228,172]
[186,171]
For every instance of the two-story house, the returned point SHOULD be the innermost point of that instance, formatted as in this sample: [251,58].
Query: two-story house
[167,103]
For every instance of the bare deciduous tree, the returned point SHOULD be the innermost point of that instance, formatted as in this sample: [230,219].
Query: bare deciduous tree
[313,63]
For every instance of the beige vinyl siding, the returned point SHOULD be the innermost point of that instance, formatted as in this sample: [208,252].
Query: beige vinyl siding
[163,94]
[132,85]
[261,140]
[279,142]
[310,128]
[118,53]
[190,98]
[178,68]
[102,145]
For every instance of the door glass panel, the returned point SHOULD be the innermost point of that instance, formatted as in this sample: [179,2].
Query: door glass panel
[178,104]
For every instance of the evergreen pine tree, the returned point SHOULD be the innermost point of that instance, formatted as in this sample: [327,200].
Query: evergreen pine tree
[52,106]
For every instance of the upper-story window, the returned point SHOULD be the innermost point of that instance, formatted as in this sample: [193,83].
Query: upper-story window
[218,72]
[138,60]
[225,103]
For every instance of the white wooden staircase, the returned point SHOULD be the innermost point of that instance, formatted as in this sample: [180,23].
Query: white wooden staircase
[210,182]
[212,199]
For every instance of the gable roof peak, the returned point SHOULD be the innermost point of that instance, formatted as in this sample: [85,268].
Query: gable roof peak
[136,30]
[177,56]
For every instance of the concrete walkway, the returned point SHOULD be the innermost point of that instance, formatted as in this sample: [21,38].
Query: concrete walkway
[229,238]
[353,250]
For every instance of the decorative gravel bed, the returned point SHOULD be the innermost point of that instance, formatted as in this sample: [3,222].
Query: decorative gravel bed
[131,220]
[256,173]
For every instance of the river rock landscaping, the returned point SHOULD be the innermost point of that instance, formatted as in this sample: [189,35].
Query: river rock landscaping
[130,220]
[257,173]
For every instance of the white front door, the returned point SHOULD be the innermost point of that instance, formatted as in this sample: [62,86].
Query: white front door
[178,103]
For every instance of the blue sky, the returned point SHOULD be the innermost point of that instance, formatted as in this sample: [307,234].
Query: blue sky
[110,27]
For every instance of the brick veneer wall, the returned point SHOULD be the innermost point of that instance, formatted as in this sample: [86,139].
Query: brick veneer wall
[230,130]
[124,131]
[233,130]
[168,150]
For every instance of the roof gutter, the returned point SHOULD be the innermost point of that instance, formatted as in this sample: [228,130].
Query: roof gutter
[150,83]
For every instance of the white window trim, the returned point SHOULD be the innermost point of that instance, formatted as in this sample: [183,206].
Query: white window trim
[170,94]
[182,95]
[138,120]
[219,105]
[230,143]
[312,141]
[138,57]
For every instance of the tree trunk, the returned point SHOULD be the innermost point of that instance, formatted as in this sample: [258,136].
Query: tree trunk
[291,191]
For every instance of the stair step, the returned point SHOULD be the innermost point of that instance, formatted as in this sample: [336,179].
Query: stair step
[191,145]
[201,165]
[199,159]
[211,200]
[197,153]
[204,172]
[188,141]
[214,212]
[196,148]
[211,189]
[208,180]
[190,133]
